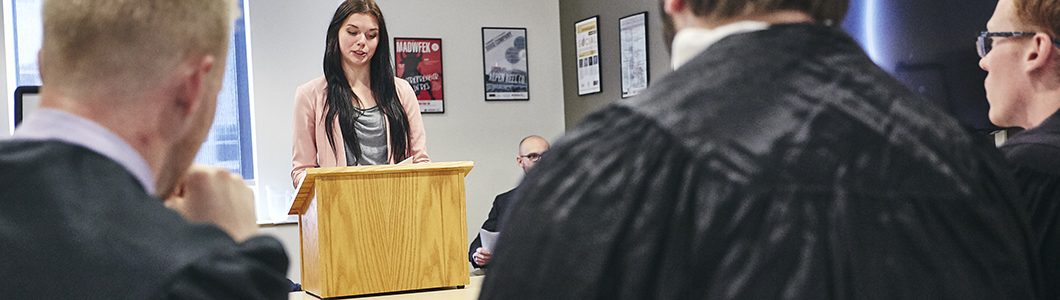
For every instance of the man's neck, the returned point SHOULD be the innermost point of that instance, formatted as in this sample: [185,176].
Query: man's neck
[1043,93]
[776,17]
[117,119]
[1044,105]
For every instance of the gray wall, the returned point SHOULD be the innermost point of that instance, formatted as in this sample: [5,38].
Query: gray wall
[609,11]
[907,31]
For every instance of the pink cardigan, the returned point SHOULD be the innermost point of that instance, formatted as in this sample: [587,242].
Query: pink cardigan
[311,148]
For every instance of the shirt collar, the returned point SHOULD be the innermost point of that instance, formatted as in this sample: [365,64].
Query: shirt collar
[689,42]
[53,124]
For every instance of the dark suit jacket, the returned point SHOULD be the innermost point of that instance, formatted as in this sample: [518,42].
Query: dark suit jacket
[1034,155]
[778,164]
[500,205]
[77,225]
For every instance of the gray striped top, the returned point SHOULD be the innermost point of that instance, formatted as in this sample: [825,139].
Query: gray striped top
[371,133]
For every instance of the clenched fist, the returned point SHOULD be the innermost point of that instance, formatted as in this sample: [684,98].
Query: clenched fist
[213,195]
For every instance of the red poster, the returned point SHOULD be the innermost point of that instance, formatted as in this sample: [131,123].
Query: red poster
[419,61]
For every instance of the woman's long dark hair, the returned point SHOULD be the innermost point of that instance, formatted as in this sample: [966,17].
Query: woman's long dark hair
[338,104]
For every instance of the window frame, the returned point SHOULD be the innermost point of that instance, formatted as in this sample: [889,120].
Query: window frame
[244,90]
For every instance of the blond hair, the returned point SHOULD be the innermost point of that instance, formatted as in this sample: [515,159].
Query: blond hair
[128,45]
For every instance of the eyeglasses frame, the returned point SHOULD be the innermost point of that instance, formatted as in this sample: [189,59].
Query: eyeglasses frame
[981,42]
[532,156]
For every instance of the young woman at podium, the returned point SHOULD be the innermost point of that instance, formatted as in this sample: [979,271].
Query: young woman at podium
[358,113]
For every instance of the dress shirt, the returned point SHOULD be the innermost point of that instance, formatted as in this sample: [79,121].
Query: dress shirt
[54,124]
[689,42]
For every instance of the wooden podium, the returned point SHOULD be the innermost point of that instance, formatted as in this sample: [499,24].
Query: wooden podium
[379,229]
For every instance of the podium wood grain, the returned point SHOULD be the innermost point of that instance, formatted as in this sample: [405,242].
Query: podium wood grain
[378,229]
[469,293]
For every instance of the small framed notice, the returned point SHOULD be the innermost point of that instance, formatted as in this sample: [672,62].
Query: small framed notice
[633,40]
[587,34]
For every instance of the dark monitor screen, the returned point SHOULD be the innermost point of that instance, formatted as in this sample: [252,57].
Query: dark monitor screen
[930,47]
[27,99]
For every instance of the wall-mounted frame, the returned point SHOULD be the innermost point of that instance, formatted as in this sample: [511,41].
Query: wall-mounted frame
[633,42]
[419,61]
[587,33]
[505,66]
[27,99]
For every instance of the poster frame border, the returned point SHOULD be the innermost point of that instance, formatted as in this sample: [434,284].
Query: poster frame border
[441,63]
[647,53]
[526,35]
[599,53]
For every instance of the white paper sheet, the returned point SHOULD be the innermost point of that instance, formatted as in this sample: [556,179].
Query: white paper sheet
[488,238]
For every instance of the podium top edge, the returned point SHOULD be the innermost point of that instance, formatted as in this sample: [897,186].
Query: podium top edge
[305,191]
[464,166]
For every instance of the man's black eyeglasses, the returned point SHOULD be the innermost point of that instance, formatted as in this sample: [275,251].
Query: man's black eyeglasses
[986,40]
[534,157]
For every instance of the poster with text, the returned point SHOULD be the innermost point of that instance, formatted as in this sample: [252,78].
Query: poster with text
[633,40]
[588,56]
[504,60]
[419,61]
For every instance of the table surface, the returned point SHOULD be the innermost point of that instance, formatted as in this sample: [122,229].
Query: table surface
[468,292]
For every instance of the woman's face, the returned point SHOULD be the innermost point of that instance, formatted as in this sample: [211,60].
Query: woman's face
[358,38]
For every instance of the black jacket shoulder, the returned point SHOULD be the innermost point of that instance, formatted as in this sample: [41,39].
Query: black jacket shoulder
[79,225]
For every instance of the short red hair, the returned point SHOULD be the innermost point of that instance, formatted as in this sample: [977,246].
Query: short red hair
[1043,14]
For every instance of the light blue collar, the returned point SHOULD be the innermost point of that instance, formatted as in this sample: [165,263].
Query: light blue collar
[53,124]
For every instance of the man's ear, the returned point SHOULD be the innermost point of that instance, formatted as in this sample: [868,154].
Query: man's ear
[673,6]
[1042,54]
[191,83]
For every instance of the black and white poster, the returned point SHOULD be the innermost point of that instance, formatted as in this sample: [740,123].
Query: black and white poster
[634,45]
[504,60]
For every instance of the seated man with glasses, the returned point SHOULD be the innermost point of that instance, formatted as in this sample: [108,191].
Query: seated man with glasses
[1022,55]
[530,150]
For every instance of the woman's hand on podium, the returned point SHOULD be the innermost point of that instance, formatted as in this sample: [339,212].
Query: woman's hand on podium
[214,195]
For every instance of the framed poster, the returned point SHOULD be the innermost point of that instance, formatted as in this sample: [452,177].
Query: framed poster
[633,40]
[504,62]
[588,56]
[419,61]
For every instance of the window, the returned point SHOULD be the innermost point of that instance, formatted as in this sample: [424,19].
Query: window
[229,143]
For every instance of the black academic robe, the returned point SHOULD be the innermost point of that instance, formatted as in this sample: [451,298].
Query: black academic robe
[778,164]
[1034,155]
[500,205]
[77,225]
